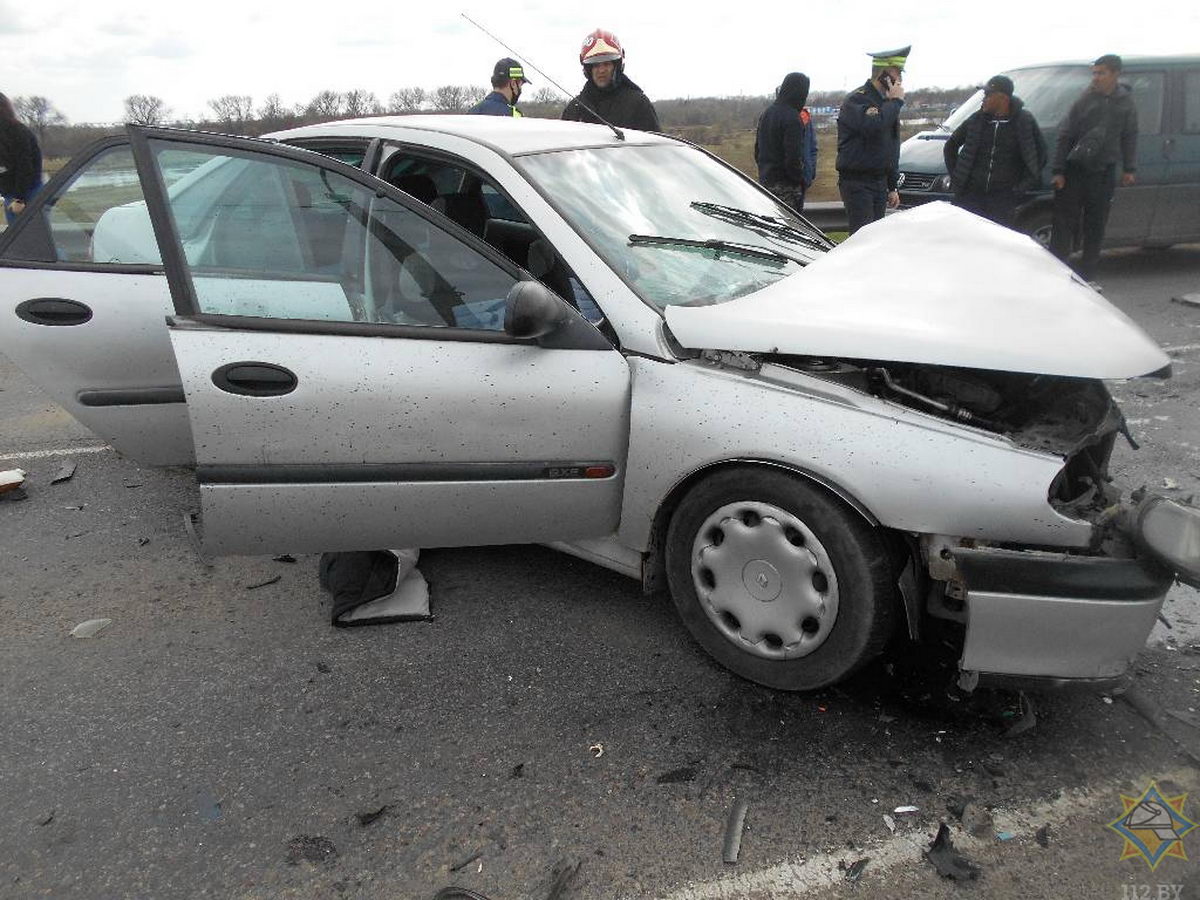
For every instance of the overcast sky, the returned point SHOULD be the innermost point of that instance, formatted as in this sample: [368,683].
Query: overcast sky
[86,57]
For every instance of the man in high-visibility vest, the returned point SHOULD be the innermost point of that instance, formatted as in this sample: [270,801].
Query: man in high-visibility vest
[507,78]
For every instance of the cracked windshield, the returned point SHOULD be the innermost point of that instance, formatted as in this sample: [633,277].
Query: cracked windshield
[715,236]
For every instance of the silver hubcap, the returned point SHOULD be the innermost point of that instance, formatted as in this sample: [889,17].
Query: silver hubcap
[764,580]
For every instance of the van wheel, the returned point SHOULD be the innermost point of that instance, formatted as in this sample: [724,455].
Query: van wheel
[778,580]
[1038,225]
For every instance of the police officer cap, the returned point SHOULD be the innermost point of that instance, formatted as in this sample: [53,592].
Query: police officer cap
[891,58]
[510,68]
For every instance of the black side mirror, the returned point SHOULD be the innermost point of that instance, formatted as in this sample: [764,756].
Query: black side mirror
[532,310]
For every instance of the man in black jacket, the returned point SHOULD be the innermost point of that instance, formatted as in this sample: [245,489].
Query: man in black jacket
[20,162]
[785,147]
[1100,131]
[996,155]
[609,93]
[868,156]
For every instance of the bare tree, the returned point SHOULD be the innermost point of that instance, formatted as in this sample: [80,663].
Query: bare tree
[39,114]
[232,110]
[473,95]
[450,98]
[406,100]
[273,114]
[145,109]
[360,103]
[325,105]
[545,96]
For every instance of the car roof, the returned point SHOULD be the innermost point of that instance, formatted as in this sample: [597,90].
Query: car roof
[510,136]
[1127,62]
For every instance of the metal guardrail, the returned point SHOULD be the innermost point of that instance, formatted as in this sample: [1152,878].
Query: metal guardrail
[829,215]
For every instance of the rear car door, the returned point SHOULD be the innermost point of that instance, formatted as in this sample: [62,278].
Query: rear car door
[1178,217]
[348,379]
[83,302]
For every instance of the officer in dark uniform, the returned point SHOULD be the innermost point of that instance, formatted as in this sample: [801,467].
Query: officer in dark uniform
[868,154]
[508,77]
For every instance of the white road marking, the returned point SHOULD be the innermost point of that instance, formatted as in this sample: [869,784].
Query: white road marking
[821,870]
[60,451]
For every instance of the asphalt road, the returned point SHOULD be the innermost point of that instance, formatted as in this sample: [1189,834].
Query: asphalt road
[220,739]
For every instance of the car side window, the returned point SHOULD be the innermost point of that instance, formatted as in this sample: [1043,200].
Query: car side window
[1191,102]
[100,216]
[271,237]
[1147,90]
[478,205]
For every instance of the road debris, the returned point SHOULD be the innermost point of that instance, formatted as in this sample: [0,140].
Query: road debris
[1027,720]
[374,587]
[854,871]
[366,818]
[143,541]
[1042,836]
[458,866]
[948,861]
[890,823]
[518,771]
[262,584]
[283,558]
[677,776]
[459,893]
[90,628]
[597,750]
[46,821]
[905,810]
[323,667]
[65,472]
[311,848]
[976,820]
[1153,713]
[209,806]
[733,832]
[1187,299]
[1170,484]
[11,480]
[560,877]
[1004,835]
[189,526]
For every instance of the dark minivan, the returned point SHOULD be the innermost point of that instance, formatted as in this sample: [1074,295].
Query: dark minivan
[1161,209]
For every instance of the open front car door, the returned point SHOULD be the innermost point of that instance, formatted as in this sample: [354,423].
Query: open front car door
[350,381]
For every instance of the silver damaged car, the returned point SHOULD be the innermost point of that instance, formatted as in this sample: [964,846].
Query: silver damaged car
[442,331]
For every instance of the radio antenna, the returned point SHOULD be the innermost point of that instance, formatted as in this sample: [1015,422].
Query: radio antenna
[529,62]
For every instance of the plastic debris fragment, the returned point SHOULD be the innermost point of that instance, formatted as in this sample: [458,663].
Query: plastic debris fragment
[90,628]
[733,832]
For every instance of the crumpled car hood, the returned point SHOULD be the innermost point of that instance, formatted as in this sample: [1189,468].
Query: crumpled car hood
[932,285]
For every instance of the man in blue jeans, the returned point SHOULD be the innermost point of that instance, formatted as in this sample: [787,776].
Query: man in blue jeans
[868,156]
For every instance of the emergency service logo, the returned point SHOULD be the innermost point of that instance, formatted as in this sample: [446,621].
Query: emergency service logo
[1153,826]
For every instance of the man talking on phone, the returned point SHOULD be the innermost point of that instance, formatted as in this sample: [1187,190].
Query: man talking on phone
[868,155]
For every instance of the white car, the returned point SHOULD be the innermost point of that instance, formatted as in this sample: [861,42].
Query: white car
[449,331]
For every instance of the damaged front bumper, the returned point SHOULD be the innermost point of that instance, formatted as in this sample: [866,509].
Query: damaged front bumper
[1052,618]
[1055,617]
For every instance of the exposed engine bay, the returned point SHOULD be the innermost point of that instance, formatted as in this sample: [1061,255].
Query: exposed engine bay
[1075,418]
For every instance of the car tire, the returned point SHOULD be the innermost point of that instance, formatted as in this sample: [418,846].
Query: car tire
[778,579]
[1038,225]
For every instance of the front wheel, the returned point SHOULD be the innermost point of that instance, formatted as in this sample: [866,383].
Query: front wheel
[778,580]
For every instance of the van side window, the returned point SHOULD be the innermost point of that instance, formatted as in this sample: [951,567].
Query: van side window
[1191,102]
[1147,90]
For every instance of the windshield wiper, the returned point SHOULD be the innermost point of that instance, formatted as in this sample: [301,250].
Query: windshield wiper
[768,226]
[717,246]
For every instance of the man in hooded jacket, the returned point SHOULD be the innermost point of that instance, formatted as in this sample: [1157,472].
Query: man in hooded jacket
[1100,131]
[996,156]
[609,93]
[785,147]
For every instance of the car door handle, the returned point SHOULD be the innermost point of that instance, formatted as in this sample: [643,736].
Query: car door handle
[54,311]
[255,379]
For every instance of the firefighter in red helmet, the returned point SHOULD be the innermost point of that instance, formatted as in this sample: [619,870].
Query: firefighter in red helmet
[609,94]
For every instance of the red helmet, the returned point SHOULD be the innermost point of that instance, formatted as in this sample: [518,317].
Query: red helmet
[601,46]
